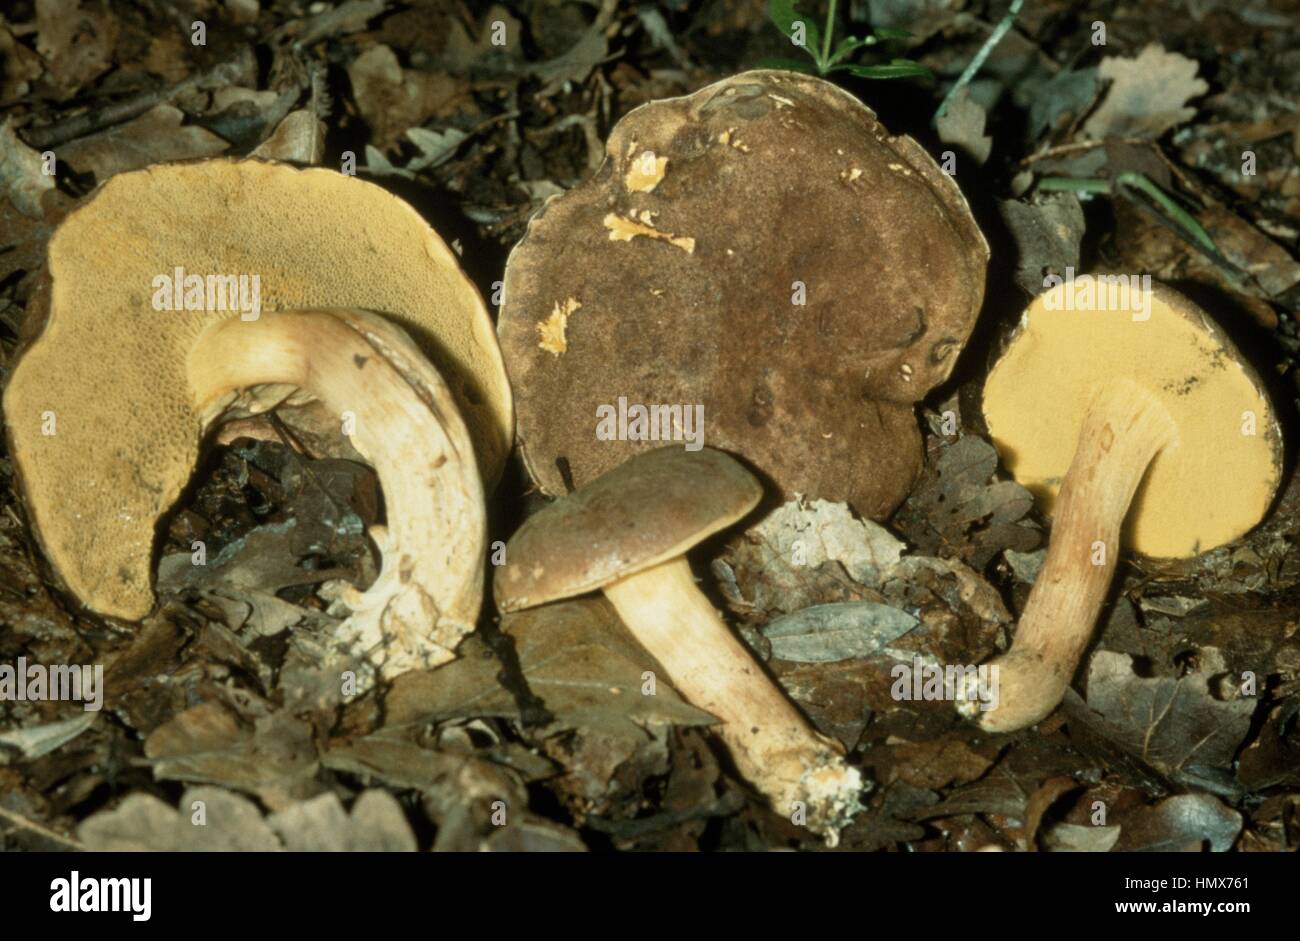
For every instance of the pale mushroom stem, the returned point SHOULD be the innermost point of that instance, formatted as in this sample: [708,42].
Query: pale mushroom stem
[771,743]
[1123,431]
[399,414]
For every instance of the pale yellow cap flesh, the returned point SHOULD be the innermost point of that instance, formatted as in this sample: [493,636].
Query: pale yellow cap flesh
[1214,483]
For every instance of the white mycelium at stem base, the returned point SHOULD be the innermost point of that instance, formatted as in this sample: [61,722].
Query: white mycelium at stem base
[770,741]
[404,422]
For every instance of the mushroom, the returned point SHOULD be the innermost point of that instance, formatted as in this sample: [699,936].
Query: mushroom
[762,249]
[627,534]
[111,399]
[1129,415]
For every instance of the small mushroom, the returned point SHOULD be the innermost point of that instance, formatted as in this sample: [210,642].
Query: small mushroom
[1131,419]
[111,399]
[627,534]
[762,249]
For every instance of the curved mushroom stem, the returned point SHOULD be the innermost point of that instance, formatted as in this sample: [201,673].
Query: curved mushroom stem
[772,744]
[400,415]
[1124,429]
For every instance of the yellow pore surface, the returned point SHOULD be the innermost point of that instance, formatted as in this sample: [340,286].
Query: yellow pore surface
[1213,483]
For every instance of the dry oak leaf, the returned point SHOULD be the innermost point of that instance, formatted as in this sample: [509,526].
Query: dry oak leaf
[212,820]
[1148,94]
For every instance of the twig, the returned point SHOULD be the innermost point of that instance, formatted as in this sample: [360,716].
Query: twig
[97,119]
[994,38]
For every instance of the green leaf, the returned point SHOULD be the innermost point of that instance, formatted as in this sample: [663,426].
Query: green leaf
[785,16]
[790,65]
[848,46]
[899,68]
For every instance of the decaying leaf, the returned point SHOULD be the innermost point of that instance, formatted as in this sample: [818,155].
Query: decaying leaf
[1184,822]
[829,632]
[802,555]
[1170,724]
[22,173]
[963,124]
[957,511]
[209,819]
[1148,94]
[157,136]
[272,757]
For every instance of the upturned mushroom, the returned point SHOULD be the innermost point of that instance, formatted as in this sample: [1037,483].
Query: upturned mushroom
[627,534]
[142,338]
[1131,416]
[762,257]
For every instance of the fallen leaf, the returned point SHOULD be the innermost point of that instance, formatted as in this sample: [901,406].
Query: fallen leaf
[963,124]
[802,555]
[1170,724]
[157,136]
[22,173]
[76,38]
[299,138]
[393,99]
[830,632]
[1184,822]
[274,758]
[955,510]
[1148,94]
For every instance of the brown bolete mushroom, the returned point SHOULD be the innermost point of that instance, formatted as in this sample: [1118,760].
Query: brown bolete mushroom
[111,399]
[762,249]
[627,534]
[1130,415]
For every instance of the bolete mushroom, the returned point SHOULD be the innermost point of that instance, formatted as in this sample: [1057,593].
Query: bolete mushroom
[627,534]
[111,399]
[1130,415]
[761,250]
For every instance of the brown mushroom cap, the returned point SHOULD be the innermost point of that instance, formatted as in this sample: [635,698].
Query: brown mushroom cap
[668,278]
[1218,478]
[111,369]
[653,508]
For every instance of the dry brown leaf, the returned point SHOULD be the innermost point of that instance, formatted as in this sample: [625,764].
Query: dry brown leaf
[76,39]
[1148,94]
[157,136]
[393,99]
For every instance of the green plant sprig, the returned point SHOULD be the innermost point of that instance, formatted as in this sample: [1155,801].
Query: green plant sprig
[818,46]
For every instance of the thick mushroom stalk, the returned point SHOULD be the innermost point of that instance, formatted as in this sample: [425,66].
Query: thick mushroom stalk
[1124,408]
[1123,430]
[400,415]
[772,744]
[627,533]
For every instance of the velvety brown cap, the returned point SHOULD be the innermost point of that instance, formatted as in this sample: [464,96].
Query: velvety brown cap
[652,508]
[669,278]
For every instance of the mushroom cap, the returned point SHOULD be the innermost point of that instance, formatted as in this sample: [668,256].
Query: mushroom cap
[650,509]
[670,278]
[110,370]
[1214,483]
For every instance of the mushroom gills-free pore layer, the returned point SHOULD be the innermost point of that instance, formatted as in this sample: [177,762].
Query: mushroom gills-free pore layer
[1210,485]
